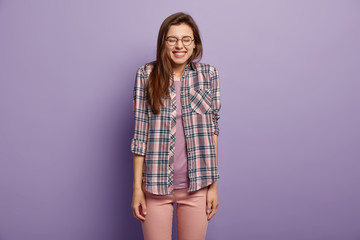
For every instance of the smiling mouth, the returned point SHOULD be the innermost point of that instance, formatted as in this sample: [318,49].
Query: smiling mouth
[179,54]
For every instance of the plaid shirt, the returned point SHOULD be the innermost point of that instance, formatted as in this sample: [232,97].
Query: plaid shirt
[154,135]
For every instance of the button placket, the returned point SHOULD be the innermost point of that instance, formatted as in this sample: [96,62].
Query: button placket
[173,107]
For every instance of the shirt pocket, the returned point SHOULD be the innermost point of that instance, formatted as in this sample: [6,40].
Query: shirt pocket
[200,100]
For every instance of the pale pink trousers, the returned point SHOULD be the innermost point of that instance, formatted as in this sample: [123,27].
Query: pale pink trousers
[191,215]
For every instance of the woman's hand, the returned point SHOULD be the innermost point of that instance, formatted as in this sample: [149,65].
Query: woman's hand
[212,201]
[138,200]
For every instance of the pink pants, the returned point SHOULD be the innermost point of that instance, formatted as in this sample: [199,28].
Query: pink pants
[191,215]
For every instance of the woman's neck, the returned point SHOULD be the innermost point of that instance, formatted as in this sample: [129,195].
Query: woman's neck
[179,69]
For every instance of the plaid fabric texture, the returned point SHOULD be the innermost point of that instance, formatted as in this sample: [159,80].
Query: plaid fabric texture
[154,135]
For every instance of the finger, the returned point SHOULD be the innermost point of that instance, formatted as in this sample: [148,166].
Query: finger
[213,210]
[212,213]
[137,214]
[143,208]
[208,207]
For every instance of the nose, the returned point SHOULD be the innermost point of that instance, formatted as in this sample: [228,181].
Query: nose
[179,44]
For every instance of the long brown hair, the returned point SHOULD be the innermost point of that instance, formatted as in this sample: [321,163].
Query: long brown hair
[158,83]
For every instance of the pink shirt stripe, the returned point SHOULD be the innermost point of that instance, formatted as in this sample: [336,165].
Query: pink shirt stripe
[181,176]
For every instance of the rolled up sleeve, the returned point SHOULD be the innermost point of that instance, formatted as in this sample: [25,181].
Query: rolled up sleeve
[139,140]
[216,104]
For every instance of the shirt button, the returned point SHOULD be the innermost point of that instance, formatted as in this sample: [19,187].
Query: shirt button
[187,135]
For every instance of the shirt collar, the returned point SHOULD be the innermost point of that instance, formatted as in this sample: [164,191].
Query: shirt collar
[187,67]
[190,66]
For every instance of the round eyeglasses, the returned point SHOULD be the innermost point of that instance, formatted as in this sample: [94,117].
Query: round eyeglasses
[186,41]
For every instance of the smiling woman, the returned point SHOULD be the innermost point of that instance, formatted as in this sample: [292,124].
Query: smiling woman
[176,103]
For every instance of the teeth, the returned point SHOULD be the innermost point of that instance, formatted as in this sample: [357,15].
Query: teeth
[179,53]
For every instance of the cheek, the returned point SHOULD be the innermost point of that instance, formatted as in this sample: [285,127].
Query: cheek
[168,50]
[169,53]
[190,51]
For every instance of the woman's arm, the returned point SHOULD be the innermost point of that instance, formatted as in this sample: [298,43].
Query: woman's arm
[138,144]
[138,169]
[216,105]
[139,141]
[212,199]
[214,184]
[138,194]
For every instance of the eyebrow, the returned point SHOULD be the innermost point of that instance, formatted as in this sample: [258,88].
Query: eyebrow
[182,36]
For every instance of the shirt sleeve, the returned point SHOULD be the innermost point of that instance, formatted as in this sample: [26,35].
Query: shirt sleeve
[139,140]
[216,104]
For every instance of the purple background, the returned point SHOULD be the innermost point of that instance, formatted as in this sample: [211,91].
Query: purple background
[289,127]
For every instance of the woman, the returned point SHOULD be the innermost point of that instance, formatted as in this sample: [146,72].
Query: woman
[176,105]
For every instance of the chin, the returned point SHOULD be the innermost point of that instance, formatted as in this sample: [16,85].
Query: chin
[179,62]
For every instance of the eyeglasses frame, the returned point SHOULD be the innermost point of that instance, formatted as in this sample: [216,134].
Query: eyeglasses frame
[177,39]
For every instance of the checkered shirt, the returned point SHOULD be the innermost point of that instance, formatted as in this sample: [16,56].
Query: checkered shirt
[154,135]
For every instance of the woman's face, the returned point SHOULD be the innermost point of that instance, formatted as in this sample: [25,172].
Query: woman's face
[179,54]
